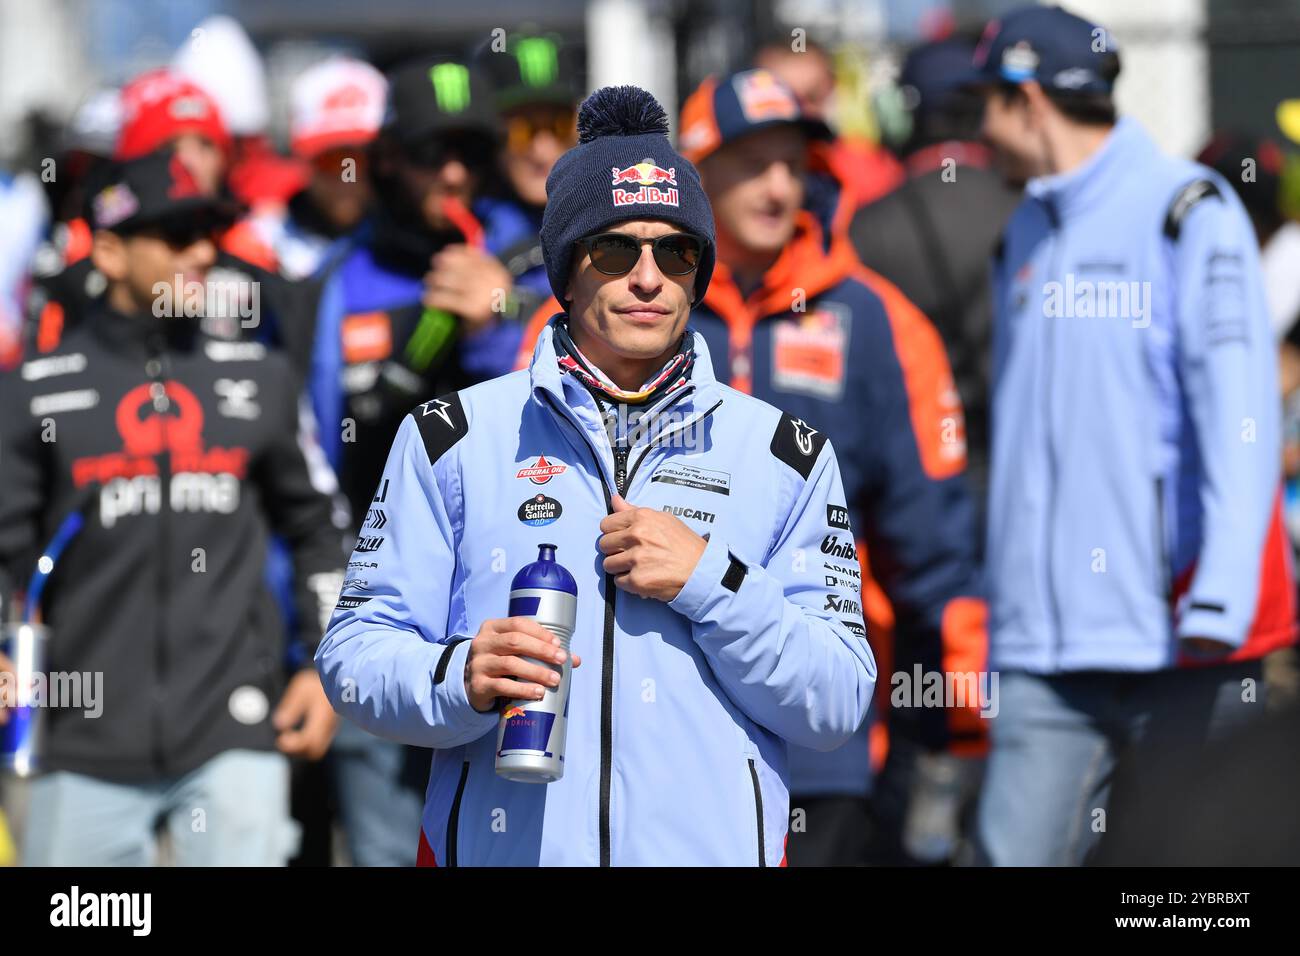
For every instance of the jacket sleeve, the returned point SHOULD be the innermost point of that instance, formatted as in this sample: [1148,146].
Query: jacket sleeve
[1228,362]
[22,489]
[391,661]
[304,507]
[918,516]
[788,649]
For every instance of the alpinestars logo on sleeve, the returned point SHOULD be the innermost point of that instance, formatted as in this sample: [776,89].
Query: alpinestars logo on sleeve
[803,435]
[438,407]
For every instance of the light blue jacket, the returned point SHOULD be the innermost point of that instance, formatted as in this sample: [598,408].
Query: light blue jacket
[680,713]
[1135,461]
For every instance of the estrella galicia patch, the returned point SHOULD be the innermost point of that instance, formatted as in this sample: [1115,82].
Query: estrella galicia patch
[442,423]
[540,510]
[797,443]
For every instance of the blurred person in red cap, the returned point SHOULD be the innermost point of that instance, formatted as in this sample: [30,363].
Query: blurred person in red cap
[221,59]
[864,170]
[161,108]
[166,437]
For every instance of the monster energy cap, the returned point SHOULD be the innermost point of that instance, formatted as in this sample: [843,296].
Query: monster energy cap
[530,69]
[435,95]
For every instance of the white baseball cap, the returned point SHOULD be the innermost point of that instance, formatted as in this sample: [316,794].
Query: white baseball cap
[337,102]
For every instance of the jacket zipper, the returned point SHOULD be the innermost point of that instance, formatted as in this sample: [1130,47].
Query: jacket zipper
[1162,550]
[607,651]
[758,812]
[155,370]
[621,481]
[1053,263]
[453,818]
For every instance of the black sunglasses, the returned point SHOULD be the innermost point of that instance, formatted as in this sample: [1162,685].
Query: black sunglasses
[617,253]
[182,231]
[434,152]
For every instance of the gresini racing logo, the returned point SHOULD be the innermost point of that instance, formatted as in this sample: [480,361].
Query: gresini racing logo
[153,419]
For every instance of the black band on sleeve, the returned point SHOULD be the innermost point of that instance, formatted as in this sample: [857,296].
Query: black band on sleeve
[736,571]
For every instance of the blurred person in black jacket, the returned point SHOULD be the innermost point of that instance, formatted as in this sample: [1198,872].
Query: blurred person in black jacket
[183,452]
[933,236]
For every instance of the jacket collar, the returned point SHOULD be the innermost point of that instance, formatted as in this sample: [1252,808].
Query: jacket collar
[702,391]
[811,261]
[142,335]
[1125,148]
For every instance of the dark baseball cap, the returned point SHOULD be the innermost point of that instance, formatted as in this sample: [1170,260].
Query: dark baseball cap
[1057,49]
[936,70]
[432,96]
[156,188]
[727,108]
[533,69]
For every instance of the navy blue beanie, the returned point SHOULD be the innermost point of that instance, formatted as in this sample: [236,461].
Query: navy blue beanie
[623,168]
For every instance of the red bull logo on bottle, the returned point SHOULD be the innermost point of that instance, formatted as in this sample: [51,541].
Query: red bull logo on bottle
[531,733]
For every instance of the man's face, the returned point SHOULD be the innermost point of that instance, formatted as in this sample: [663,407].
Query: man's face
[1011,132]
[536,136]
[636,316]
[204,159]
[443,167]
[756,186]
[340,185]
[174,253]
[809,74]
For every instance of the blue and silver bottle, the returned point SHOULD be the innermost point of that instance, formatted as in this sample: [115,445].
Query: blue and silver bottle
[530,738]
[21,736]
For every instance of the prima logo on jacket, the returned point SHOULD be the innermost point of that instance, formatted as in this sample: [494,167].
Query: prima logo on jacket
[151,419]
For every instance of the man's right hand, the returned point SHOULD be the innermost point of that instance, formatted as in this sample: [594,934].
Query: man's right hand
[7,685]
[496,657]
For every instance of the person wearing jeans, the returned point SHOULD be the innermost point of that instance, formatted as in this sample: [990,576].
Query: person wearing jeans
[1136,563]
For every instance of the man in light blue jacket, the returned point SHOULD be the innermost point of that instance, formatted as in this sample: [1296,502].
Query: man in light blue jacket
[718,606]
[1136,564]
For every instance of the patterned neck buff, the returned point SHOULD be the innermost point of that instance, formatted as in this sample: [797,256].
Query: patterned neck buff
[675,373]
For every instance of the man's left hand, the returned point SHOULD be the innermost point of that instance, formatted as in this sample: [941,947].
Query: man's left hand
[305,719]
[651,553]
[468,282]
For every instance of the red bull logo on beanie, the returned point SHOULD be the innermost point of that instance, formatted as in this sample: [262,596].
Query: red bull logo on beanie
[649,176]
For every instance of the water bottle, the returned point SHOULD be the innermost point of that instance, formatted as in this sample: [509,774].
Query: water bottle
[20,738]
[530,738]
